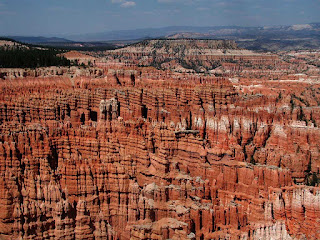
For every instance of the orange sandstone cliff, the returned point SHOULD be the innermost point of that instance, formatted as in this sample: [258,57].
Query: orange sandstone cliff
[120,155]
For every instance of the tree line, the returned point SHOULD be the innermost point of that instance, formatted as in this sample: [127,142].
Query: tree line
[21,57]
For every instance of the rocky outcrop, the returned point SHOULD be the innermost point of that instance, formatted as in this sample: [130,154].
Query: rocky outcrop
[191,55]
[71,72]
[79,58]
[128,156]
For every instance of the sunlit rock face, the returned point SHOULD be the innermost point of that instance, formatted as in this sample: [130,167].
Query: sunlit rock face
[142,154]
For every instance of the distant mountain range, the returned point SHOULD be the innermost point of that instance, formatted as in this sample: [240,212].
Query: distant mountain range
[36,40]
[230,32]
[64,43]
[301,36]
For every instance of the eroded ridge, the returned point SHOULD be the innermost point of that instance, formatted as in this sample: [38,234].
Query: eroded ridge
[116,154]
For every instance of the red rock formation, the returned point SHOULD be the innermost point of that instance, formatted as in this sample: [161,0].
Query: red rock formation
[128,156]
[79,57]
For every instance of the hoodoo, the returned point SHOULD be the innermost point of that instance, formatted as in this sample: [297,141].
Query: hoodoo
[181,139]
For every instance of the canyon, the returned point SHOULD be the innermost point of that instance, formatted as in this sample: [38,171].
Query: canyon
[167,139]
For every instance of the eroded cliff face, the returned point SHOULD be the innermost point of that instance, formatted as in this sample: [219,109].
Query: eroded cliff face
[129,157]
[201,56]
[47,72]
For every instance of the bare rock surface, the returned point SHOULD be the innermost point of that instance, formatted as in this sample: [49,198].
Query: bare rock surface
[138,153]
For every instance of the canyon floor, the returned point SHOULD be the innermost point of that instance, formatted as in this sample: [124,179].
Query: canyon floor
[164,139]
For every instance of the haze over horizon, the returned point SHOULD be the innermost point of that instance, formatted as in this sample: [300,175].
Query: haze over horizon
[57,18]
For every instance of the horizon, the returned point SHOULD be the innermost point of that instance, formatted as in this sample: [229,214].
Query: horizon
[59,18]
[154,28]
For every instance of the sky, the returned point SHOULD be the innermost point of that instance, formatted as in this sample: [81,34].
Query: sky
[67,17]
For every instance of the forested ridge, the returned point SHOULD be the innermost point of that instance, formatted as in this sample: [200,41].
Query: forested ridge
[31,58]
[20,55]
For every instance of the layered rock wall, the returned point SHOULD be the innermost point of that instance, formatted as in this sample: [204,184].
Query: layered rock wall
[124,157]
